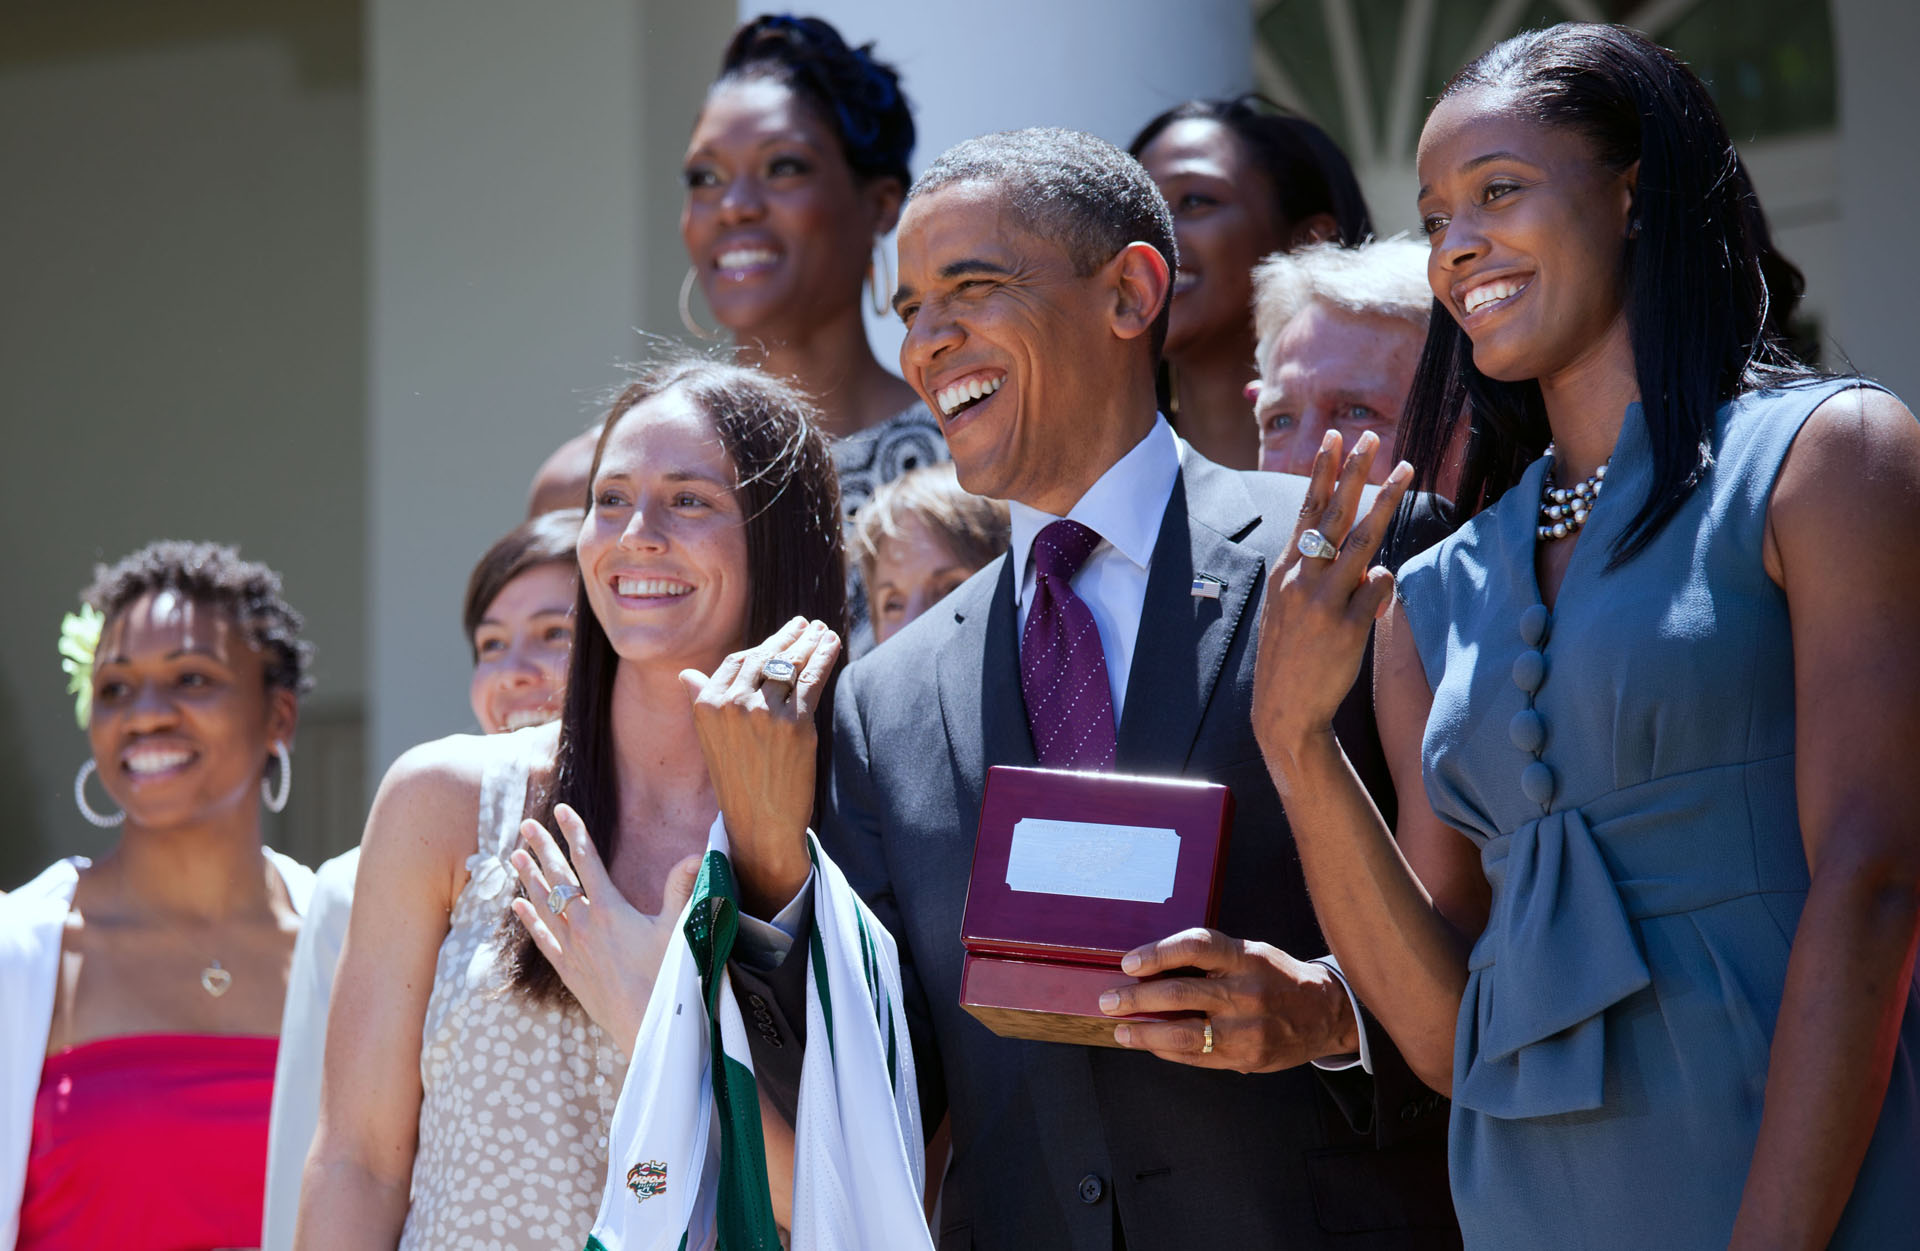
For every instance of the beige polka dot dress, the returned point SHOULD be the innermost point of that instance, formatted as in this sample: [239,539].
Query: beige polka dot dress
[516,1096]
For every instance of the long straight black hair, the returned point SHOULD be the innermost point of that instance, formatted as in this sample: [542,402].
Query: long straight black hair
[1697,298]
[796,566]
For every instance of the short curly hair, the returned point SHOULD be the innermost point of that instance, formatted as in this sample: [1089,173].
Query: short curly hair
[213,574]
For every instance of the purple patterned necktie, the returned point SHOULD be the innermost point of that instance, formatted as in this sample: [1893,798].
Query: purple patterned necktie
[1063,670]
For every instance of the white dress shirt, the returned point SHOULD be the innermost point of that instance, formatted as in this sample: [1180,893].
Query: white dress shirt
[1124,506]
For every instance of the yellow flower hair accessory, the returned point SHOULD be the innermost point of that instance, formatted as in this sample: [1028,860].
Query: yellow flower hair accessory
[79,640]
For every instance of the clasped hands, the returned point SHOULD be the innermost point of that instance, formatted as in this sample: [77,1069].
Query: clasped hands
[759,740]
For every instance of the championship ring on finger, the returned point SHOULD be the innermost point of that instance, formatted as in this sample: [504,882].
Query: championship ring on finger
[1316,546]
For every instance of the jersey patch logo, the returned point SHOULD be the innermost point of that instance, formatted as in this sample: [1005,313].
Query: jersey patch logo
[647,1179]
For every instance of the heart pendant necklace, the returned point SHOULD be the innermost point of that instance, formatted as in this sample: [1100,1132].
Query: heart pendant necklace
[215,980]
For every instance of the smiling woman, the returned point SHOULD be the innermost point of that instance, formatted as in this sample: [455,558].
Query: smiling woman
[795,172]
[518,616]
[144,989]
[1619,952]
[1244,179]
[714,522]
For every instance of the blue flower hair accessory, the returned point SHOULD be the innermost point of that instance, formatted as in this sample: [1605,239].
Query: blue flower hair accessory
[79,640]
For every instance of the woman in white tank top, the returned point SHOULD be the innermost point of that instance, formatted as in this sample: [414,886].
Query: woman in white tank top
[467,1094]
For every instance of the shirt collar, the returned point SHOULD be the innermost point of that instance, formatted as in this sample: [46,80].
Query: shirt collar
[1124,506]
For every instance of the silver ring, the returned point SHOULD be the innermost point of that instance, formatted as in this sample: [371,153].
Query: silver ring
[560,896]
[1206,1038]
[1316,546]
[778,669]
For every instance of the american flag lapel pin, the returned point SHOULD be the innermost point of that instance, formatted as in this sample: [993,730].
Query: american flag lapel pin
[1207,587]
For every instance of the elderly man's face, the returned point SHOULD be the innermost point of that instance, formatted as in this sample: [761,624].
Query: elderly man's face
[1010,349]
[1329,369]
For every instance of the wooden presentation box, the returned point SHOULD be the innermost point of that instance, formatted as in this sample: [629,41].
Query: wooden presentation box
[1071,871]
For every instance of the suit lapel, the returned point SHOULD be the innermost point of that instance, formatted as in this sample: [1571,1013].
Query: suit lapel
[979,675]
[1184,638]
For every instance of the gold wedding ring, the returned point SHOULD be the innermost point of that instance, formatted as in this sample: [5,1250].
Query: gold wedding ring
[1206,1038]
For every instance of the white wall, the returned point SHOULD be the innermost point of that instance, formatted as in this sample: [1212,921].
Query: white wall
[180,339]
[504,278]
[681,45]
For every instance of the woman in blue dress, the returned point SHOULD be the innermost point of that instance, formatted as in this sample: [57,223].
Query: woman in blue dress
[1650,910]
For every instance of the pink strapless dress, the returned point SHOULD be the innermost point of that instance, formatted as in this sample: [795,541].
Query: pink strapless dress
[150,1142]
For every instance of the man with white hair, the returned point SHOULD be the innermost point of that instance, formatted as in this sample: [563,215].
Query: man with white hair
[1339,334]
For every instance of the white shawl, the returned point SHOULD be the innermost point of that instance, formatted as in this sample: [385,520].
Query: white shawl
[33,922]
[687,1167]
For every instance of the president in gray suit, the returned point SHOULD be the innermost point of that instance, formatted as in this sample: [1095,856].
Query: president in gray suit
[1035,276]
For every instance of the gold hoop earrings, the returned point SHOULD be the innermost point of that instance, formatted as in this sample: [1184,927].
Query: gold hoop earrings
[694,328]
[880,295]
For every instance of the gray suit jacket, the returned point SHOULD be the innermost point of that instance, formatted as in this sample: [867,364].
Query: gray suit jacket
[1059,1146]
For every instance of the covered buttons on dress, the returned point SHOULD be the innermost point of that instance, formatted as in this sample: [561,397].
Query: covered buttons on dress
[1533,625]
[1536,780]
[1528,729]
[1529,670]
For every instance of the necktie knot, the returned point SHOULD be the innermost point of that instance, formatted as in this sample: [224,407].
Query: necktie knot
[1061,548]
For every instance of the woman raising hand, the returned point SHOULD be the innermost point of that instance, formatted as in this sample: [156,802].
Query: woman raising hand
[1651,908]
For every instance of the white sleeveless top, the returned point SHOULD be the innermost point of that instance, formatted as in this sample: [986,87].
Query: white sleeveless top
[516,1096]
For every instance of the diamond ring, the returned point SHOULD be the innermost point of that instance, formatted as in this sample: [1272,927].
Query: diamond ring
[1316,546]
[560,896]
[777,669]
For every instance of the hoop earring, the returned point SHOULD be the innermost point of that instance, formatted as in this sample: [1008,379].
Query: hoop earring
[694,328]
[80,800]
[879,294]
[276,801]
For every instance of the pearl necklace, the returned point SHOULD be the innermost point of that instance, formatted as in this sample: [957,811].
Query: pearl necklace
[1563,510]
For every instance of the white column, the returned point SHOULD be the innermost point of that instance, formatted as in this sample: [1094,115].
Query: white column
[505,228]
[1878,264]
[1102,66]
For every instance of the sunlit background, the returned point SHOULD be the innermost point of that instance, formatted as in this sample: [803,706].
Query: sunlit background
[328,279]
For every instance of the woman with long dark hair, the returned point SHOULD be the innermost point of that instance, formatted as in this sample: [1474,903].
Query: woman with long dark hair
[1244,179]
[795,173]
[468,1092]
[1650,909]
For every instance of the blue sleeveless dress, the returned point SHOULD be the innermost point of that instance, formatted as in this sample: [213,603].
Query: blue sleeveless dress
[1625,764]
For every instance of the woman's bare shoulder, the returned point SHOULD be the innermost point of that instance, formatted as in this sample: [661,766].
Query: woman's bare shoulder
[429,802]
[1851,476]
